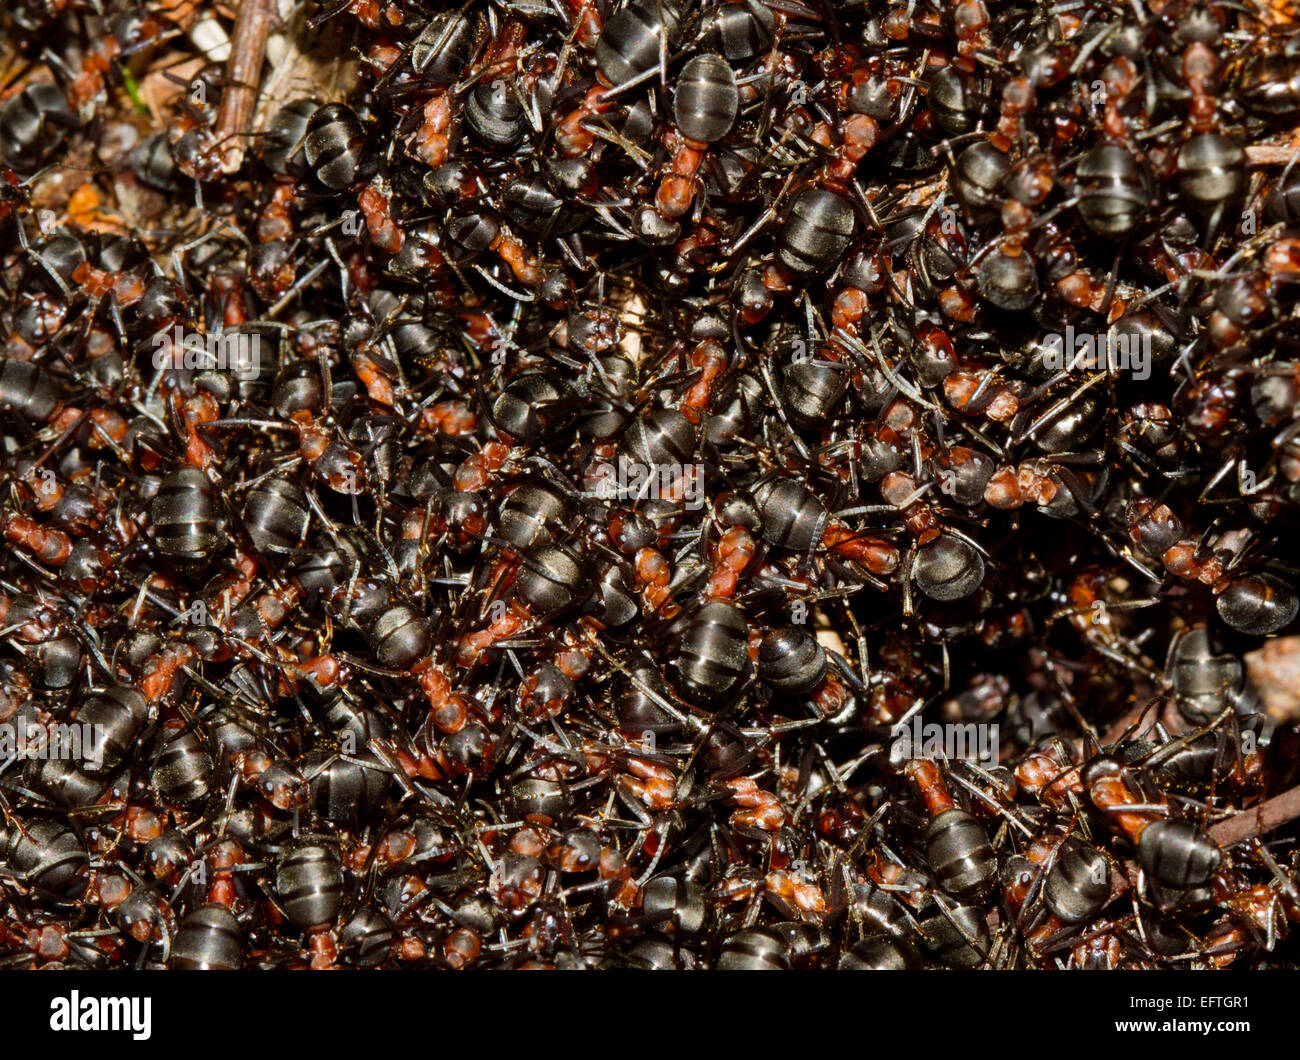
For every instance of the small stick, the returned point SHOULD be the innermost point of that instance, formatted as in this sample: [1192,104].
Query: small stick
[1259,819]
[1270,154]
[243,78]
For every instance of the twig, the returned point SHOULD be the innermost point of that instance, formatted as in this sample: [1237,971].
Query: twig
[243,77]
[1248,824]
[1270,154]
